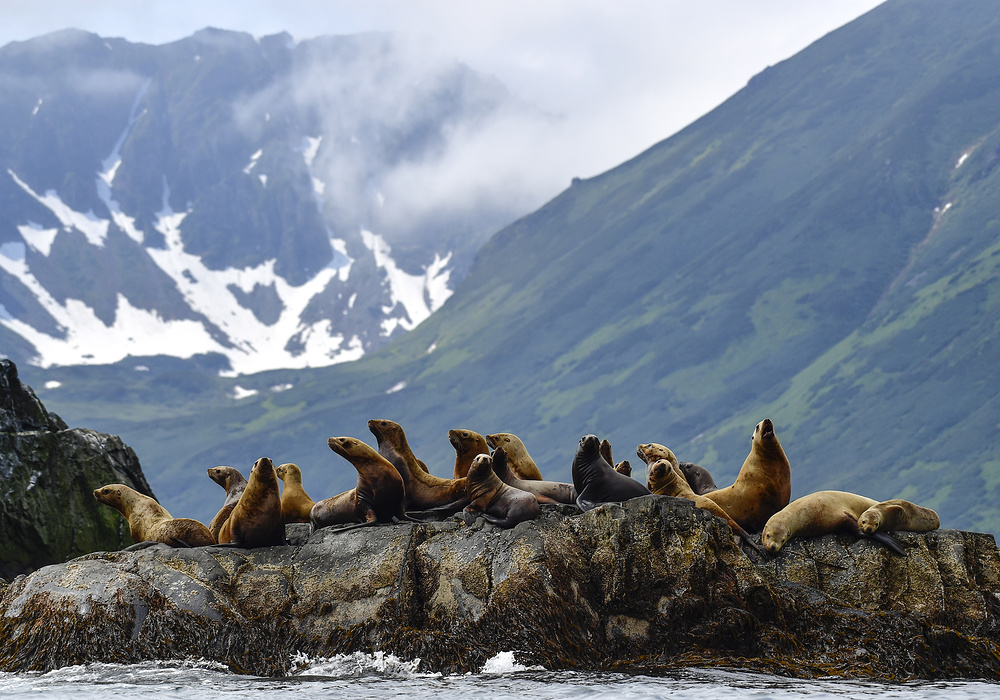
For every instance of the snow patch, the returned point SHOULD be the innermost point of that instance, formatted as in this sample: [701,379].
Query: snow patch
[961,160]
[310,147]
[278,388]
[110,166]
[52,384]
[253,161]
[41,239]
[241,393]
[38,106]
[396,387]
[432,348]
[95,229]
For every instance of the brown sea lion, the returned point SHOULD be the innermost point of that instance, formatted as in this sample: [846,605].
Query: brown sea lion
[596,481]
[492,499]
[624,468]
[651,451]
[764,483]
[233,482]
[820,513]
[665,479]
[543,491]
[897,514]
[518,459]
[295,502]
[423,490]
[148,521]
[256,519]
[468,444]
[378,496]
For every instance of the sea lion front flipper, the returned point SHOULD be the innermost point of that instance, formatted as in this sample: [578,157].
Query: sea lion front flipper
[889,542]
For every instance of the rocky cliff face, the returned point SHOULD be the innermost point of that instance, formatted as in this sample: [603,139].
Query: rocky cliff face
[47,474]
[648,585]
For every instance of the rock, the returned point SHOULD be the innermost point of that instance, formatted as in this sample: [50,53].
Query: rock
[651,584]
[47,475]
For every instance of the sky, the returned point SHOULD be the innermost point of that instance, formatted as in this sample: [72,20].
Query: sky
[621,76]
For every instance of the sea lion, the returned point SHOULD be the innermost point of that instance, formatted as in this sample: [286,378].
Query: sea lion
[378,496]
[233,482]
[256,520]
[148,521]
[698,478]
[897,514]
[295,502]
[543,491]
[596,481]
[492,499]
[518,459]
[423,490]
[820,513]
[468,444]
[764,483]
[624,468]
[665,479]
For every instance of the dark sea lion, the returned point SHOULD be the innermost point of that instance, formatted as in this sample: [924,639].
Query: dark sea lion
[233,482]
[543,491]
[423,490]
[492,499]
[518,459]
[256,520]
[378,496]
[698,477]
[821,513]
[468,444]
[295,502]
[596,481]
[623,467]
[148,521]
[764,483]
[665,479]
[897,514]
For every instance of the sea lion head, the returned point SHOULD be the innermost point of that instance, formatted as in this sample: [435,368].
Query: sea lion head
[226,477]
[118,496]
[465,440]
[389,430]
[263,473]
[658,474]
[289,471]
[349,447]
[481,466]
[774,536]
[763,431]
[652,451]
[870,521]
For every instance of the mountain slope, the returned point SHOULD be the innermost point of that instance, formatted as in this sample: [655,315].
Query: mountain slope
[821,249]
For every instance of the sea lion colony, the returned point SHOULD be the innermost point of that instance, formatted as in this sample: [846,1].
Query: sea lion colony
[505,487]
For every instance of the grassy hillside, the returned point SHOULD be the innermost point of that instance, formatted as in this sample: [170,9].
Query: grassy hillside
[821,250]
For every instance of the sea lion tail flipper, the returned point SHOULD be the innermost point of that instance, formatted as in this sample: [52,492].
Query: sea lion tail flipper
[889,542]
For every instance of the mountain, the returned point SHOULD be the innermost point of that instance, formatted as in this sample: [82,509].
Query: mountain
[238,201]
[821,249]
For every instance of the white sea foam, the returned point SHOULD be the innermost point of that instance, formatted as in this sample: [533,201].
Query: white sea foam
[504,662]
[355,665]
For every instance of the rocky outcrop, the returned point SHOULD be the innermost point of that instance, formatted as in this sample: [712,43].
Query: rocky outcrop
[47,475]
[650,584]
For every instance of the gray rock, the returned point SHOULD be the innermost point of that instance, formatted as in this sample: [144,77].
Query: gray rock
[648,585]
[47,476]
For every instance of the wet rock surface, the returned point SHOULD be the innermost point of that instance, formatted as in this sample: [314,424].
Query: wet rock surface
[47,475]
[648,585]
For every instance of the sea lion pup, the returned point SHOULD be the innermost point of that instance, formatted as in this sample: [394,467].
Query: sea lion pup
[664,479]
[295,502]
[468,444]
[821,513]
[148,521]
[256,520]
[897,514]
[378,496]
[233,482]
[543,491]
[423,490]
[596,481]
[518,459]
[764,483]
[492,499]
[623,467]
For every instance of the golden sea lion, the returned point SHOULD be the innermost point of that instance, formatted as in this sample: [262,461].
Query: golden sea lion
[820,513]
[764,483]
[233,482]
[492,499]
[897,514]
[148,521]
[295,502]
[666,479]
[468,444]
[518,459]
[698,478]
[423,490]
[256,519]
[378,496]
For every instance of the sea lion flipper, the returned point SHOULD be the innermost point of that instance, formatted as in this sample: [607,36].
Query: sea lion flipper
[177,542]
[889,542]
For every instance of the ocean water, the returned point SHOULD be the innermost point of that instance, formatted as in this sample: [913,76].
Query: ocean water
[378,676]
